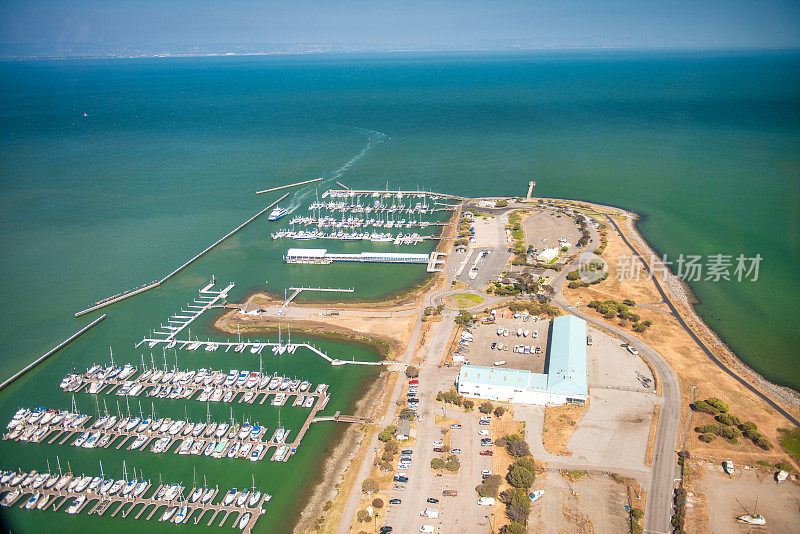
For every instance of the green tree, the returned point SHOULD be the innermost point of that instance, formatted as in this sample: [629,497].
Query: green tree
[468,405]
[486,407]
[513,528]
[412,372]
[437,463]
[520,477]
[452,465]
[501,203]
[499,411]
[728,419]
[377,503]
[718,404]
[518,448]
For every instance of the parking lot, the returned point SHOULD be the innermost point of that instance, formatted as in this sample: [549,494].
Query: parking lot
[611,366]
[480,351]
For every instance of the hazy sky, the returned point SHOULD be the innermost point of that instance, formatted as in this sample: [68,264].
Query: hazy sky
[406,23]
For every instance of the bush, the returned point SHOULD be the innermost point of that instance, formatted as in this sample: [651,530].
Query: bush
[501,204]
[369,486]
[407,413]
[704,407]
[387,456]
[706,438]
[748,425]
[718,404]
[499,411]
[513,528]
[412,372]
[468,405]
[486,407]
[437,463]
[518,515]
[387,433]
[730,432]
[363,516]
[453,464]
[629,302]
[391,446]
[527,462]
[377,503]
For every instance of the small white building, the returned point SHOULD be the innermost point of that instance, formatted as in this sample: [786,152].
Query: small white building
[547,255]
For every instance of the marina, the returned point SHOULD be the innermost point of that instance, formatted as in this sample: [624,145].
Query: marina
[75,494]
[212,439]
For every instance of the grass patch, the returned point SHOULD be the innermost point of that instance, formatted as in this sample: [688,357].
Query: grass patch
[790,440]
[465,300]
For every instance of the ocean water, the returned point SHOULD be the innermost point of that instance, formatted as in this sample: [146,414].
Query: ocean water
[170,153]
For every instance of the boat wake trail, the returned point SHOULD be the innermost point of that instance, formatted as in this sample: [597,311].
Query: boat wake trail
[304,194]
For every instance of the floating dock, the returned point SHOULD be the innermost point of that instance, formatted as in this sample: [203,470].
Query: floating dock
[123,506]
[320,256]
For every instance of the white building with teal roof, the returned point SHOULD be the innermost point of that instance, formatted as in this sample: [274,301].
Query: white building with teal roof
[565,381]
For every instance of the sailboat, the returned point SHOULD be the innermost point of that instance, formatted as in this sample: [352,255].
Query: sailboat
[751,519]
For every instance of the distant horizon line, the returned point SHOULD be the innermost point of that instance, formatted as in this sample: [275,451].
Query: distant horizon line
[119,54]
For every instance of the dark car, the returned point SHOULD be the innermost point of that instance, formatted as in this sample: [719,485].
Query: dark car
[385,529]
[400,478]
[433,501]
[406,451]
[395,501]
[486,453]
[437,449]
[456,426]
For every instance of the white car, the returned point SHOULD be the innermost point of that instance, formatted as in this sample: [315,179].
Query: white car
[632,350]
[437,443]
[427,528]
[483,432]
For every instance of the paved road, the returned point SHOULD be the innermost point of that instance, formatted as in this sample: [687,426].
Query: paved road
[662,479]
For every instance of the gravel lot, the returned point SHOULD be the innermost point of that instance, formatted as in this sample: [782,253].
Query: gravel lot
[778,503]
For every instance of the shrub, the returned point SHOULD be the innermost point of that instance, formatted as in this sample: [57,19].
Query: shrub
[704,407]
[730,432]
[369,486]
[499,411]
[387,433]
[706,438]
[486,407]
[363,516]
[718,404]
[728,419]
[513,528]
[501,204]
[453,464]
[387,456]
[377,503]
[527,462]
[391,446]
[748,425]
[517,515]
[468,405]
[437,463]
[407,413]
[629,302]
[412,372]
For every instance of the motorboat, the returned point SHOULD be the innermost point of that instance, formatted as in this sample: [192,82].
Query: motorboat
[233,451]
[222,428]
[10,497]
[210,448]
[76,504]
[140,487]
[118,484]
[195,495]
[106,486]
[138,442]
[51,480]
[752,519]
[230,497]
[129,487]
[231,378]
[244,451]
[63,481]
[198,446]
[254,499]
[168,513]
[255,454]
[244,520]
[207,496]
[180,515]
[94,485]
[241,499]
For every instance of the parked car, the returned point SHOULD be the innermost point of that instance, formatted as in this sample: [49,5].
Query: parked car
[455,426]
[400,479]
[450,493]
[437,449]
[483,432]
[484,422]
[486,453]
[456,451]
[401,487]
[437,443]
[406,451]
[385,529]
[395,501]
[413,381]
[433,500]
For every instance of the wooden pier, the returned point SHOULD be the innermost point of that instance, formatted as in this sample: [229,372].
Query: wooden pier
[123,506]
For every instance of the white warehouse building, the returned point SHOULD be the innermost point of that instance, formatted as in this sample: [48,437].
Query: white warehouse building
[565,382]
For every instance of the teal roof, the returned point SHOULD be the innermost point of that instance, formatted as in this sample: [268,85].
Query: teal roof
[566,374]
[500,376]
[567,370]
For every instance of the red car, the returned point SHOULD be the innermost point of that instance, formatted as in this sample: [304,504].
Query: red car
[415,381]
[486,453]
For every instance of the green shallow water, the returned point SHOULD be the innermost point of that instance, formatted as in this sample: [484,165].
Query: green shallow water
[705,147]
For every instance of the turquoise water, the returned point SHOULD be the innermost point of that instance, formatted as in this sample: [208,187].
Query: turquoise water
[706,147]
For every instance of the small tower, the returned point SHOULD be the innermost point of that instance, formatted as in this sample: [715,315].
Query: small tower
[531,185]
